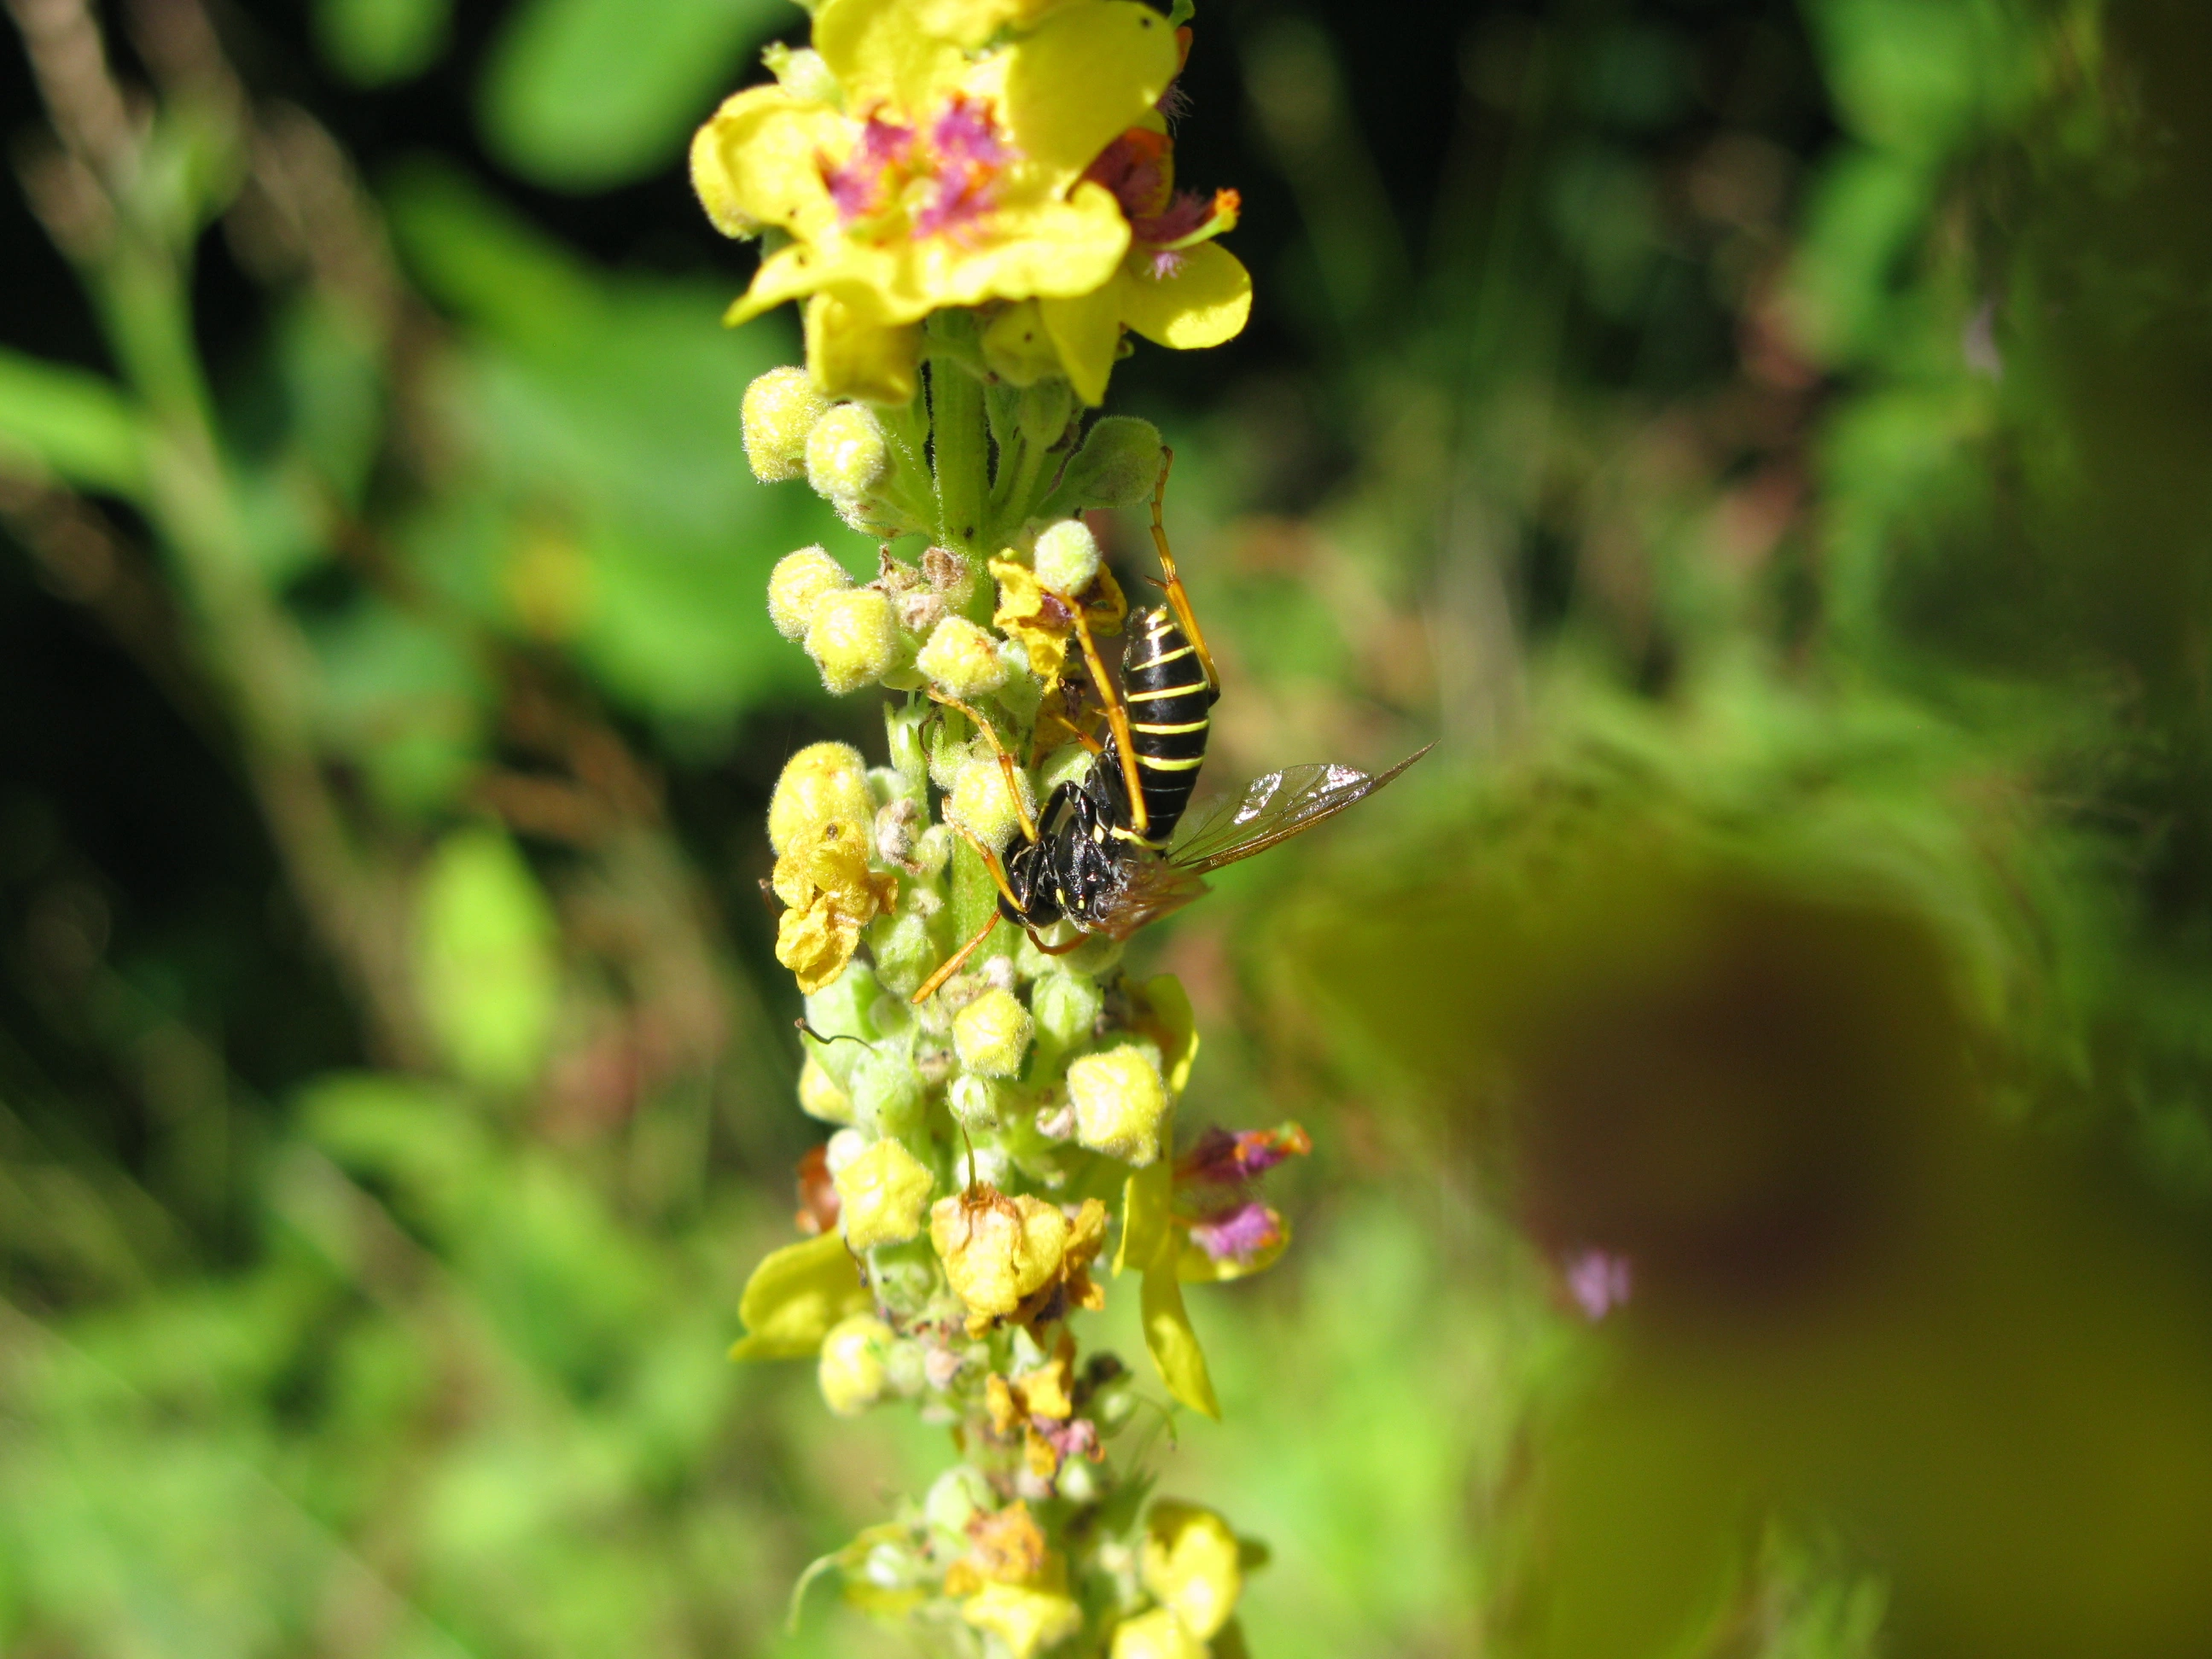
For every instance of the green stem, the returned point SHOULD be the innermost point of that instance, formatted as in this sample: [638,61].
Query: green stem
[960,446]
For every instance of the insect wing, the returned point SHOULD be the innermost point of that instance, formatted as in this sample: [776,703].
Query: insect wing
[1273,809]
[1154,887]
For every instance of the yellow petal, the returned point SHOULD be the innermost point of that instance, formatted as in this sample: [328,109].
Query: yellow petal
[1028,1621]
[1203,304]
[1028,246]
[881,51]
[1147,1200]
[1172,1344]
[794,1297]
[1087,331]
[757,160]
[1191,1562]
[1087,74]
[790,273]
[1016,347]
[1170,1021]
[848,356]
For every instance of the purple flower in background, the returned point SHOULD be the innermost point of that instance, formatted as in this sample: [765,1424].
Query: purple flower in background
[1599,1281]
[1237,1235]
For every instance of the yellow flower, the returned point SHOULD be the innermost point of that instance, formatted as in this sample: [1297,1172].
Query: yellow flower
[1043,622]
[998,1251]
[796,1295]
[832,893]
[882,1195]
[946,179]
[1028,1621]
[1158,1634]
[1190,1563]
[1175,285]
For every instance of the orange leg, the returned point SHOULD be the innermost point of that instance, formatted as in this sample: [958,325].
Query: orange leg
[1176,596]
[1005,762]
[953,963]
[1117,716]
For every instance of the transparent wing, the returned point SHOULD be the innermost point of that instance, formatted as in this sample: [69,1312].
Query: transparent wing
[1273,808]
[1154,888]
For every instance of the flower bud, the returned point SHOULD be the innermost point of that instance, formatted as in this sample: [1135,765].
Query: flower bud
[840,1009]
[1118,465]
[1120,1103]
[962,658]
[886,1093]
[822,782]
[1190,1563]
[851,1369]
[933,851]
[1067,556]
[1156,1635]
[904,1277]
[973,1104]
[1065,1007]
[997,1250]
[854,639]
[884,1196]
[956,1497]
[1018,348]
[905,953]
[798,585]
[819,1096]
[846,454]
[782,408]
[981,804]
[991,1033]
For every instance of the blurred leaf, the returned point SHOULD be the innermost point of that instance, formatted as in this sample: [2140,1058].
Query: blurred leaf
[485,949]
[331,362]
[581,94]
[373,43]
[402,700]
[77,426]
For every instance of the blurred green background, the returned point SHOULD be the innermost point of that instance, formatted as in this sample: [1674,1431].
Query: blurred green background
[1765,443]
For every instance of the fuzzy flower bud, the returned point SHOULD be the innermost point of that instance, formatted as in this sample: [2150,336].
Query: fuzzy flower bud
[884,1195]
[847,455]
[997,1250]
[1067,556]
[981,804]
[781,409]
[1120,1103]
[956,1497]
[906,954]
[798,585]
[1190,1563]
[854,639]
[822,782]
[962,658]
[1065,1007]
[820,1098]
[974,1103]
[887,1094]
[991,1033]
[852,1368]
[1158,1634]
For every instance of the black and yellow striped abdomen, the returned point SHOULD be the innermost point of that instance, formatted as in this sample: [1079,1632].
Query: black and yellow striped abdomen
[1164,685]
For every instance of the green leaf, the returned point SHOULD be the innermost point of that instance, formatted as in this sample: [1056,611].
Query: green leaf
[794,1297]
[77,426]
[485,939]
[373,43]
[581,94]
